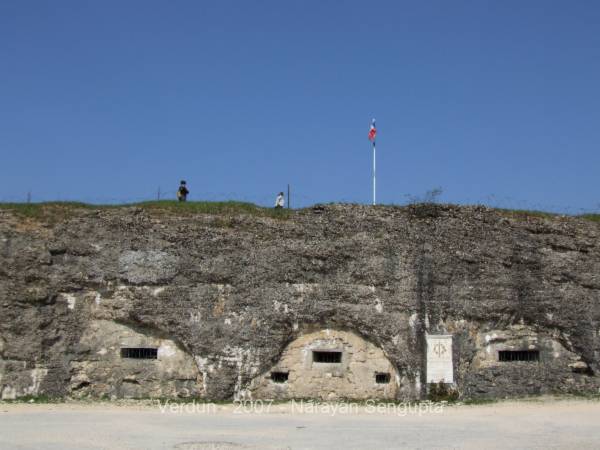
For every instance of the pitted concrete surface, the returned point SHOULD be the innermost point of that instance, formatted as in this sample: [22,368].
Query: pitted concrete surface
[352,378]
[229,291]
[516,425]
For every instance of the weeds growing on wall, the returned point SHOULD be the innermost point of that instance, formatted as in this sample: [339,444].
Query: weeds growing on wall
[441,392]
[38,399]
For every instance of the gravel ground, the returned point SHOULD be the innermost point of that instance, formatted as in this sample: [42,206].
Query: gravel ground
[540,424]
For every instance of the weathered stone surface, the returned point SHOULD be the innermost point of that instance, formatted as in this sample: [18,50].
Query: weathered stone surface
[151,266]
[101,372]
[232,292]
[353,378]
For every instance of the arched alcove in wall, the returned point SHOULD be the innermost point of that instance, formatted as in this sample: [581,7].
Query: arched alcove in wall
[328,365]
[126,362]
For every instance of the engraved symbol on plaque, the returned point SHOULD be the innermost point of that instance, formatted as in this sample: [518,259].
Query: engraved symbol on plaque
[439,358]
[439,349]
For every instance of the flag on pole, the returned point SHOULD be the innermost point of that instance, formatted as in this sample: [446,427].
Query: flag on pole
[372,131]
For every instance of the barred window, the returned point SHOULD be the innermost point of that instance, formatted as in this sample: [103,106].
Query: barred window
[279,377]
[139,353]
[327,357]
[382,378]
[518,355]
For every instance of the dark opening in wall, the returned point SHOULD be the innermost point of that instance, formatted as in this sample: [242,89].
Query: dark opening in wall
[382,378]
[139,353]
[518,355]
[279,377]
[327,357]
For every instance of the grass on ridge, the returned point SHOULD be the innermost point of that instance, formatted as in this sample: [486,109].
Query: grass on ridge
[54,211]
[522,213]
[592,217]
[228,207]
[527,213]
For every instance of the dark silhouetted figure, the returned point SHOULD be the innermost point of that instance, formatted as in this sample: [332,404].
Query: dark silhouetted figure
[182,192]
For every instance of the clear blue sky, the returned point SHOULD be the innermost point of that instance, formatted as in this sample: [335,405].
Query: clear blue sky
[494,101]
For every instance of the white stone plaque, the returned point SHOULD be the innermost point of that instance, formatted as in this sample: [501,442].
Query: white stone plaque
[439,358]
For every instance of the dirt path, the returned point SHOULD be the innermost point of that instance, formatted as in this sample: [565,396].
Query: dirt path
[544,424]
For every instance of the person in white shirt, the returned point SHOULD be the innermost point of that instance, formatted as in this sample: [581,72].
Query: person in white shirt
[279,201]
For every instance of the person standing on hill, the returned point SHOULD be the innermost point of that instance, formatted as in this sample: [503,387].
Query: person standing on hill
[182,192]
[279,201]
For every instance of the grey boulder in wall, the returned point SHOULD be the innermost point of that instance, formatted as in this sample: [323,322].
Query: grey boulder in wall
[148,266]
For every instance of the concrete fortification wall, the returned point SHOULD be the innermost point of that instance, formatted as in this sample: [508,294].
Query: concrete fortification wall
[329,302]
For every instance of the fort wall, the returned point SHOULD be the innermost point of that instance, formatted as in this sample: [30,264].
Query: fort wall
[132,302]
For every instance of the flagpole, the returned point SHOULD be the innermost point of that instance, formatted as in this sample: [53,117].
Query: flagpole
[374,175]
[372,135]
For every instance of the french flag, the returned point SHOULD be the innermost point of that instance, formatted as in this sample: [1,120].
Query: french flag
[372,131]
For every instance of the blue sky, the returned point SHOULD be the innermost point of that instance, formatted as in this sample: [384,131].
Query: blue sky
[495,102]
